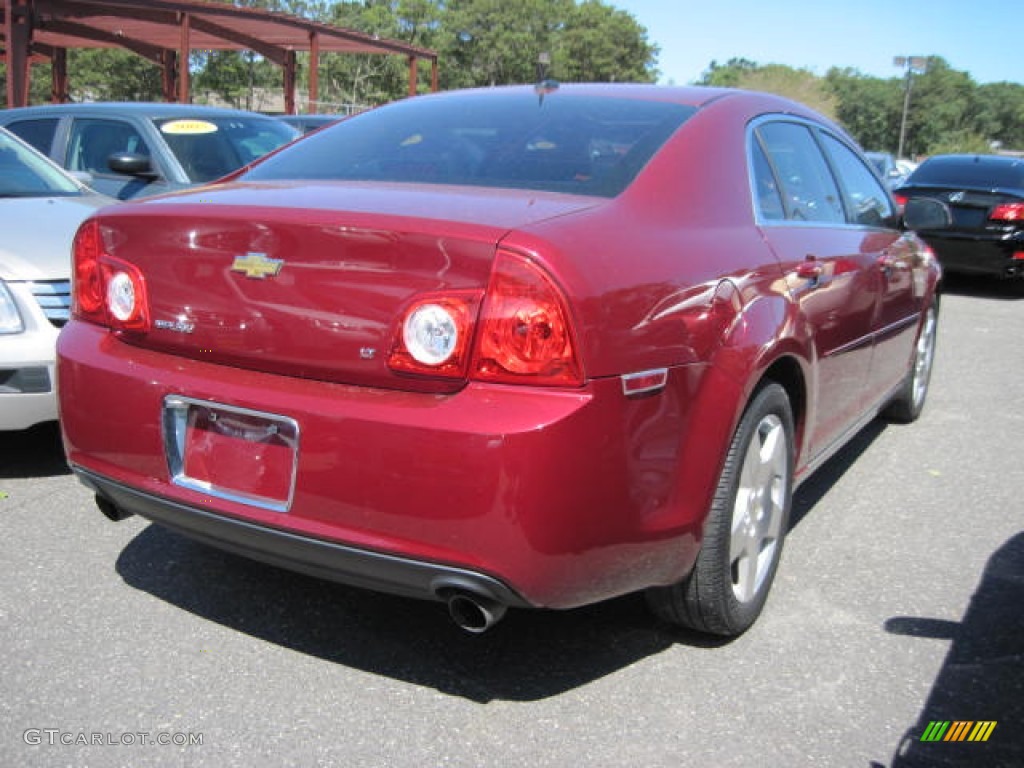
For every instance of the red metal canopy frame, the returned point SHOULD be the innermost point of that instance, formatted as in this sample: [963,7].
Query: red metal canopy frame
[166,31]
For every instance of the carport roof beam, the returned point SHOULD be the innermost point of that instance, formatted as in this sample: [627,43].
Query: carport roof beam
[153,29]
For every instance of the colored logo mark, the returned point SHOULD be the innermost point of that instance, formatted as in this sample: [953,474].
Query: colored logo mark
[256,265]
[958,730]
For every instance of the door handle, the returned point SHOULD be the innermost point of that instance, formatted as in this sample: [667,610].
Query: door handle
[886,263]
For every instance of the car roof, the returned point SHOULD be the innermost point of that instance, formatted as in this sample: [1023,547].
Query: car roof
[137,108]
[694,96]
[697,96]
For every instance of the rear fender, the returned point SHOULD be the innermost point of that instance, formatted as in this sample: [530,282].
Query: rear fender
[763,339]
[754,340]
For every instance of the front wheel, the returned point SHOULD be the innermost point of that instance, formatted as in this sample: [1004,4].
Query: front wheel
[746,526]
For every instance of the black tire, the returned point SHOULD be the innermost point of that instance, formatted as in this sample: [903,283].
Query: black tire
[726,590]
[908,403]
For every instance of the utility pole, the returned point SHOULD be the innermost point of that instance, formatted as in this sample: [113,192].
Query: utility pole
[912,65]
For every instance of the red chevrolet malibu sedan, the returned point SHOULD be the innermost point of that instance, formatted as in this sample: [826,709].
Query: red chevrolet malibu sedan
[512,347]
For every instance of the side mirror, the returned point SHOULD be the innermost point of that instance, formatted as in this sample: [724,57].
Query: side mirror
[925,213]
[131,164]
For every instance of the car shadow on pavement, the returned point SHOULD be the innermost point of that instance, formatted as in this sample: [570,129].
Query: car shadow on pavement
[982,677]
[530,655]
[35,452]
[828,474]
[983,287]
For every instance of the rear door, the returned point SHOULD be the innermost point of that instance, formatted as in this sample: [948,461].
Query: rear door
[830,269]
[900,284]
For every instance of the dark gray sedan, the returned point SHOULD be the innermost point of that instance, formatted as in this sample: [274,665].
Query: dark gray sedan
[130,150]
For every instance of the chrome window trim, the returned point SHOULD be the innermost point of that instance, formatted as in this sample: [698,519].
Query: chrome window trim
[814,127]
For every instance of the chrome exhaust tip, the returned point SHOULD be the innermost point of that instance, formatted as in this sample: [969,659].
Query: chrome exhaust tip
[474,613]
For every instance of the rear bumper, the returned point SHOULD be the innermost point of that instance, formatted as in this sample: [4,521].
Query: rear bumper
[315,557]
[976,255]
[540,497]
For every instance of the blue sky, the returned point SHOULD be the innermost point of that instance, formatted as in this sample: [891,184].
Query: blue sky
[980,37]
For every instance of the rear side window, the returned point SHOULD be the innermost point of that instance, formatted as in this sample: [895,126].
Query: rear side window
[868,200]
[558,142]
[808,189]
[39,133]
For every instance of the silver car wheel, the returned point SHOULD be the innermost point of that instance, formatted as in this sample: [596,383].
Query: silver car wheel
[923,357]
[759,508]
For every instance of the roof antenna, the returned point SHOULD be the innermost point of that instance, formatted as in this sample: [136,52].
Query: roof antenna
[545,84]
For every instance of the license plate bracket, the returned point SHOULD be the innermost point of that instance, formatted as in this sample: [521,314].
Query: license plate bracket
[233,453]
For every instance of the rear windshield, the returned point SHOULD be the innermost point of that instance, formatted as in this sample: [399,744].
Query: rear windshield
[977,172]
[557,142]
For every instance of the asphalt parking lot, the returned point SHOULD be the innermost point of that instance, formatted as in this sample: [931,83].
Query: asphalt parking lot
[900,602]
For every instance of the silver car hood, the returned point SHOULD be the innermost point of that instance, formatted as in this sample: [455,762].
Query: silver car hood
[36,234]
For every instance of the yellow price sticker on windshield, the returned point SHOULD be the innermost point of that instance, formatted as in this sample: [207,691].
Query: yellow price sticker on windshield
[188,127]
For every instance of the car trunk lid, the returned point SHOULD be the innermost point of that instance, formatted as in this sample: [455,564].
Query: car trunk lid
[970,208]
[311,280]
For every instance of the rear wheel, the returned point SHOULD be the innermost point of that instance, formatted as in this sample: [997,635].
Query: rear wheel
[909,401]
[745,529]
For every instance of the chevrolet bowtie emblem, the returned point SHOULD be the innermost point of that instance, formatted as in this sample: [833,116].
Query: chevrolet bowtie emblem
[257,265]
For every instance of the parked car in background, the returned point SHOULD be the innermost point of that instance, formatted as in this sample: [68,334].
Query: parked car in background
[505,347]
[892,171]
[986,196]
[905,166]
[307,123]
[40,209]
[130,150]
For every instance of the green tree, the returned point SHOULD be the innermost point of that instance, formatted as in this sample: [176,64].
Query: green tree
[941,106]
[363,79]
[498,42]
[797,84]
[40,84]
[727,75]
[112,74]
[868,107]
[599,43]
[1000,113]
[239,78]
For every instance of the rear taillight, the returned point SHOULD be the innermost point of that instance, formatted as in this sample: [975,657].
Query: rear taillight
[518,332]
[901,200]
[525,334]
[434,336]
[107,291]
[1007,212]
[87,297]
[522,335]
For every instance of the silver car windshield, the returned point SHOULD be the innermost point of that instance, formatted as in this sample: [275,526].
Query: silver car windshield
[26,173]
